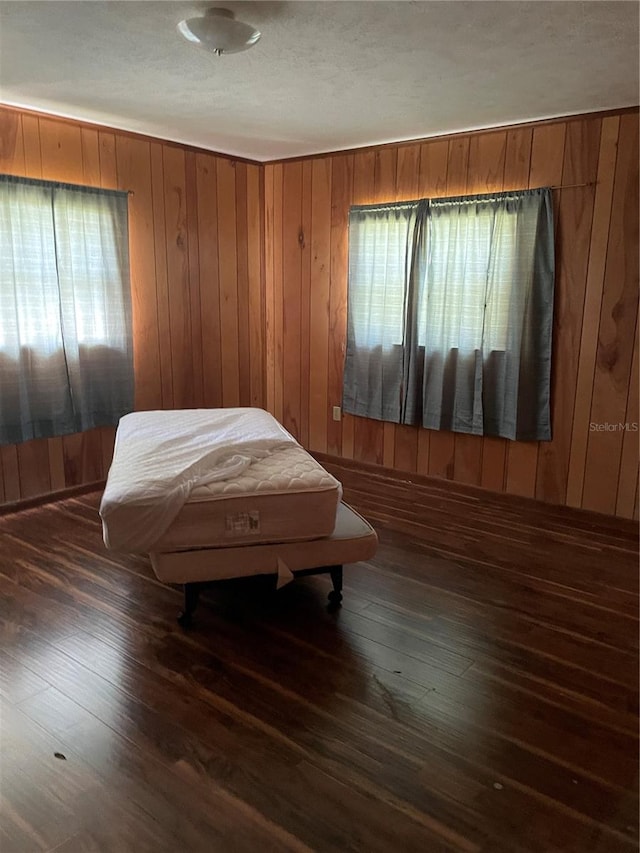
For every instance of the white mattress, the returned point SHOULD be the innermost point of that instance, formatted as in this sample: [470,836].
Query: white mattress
[285,497]
[208,477]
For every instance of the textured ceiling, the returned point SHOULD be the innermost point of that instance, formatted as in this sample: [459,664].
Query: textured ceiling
[325,75]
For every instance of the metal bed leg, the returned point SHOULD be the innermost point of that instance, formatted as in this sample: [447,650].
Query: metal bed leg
[335,596]
[191,598]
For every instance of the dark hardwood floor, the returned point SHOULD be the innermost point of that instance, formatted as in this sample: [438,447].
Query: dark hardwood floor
[477,692]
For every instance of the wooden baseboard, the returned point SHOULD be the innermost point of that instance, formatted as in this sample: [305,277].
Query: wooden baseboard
[363,481]
[50,497]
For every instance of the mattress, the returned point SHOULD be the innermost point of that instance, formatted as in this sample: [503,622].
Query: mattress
[285,497]
[212,477]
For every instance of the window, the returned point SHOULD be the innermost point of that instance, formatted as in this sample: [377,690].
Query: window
[65,309]
[450,311]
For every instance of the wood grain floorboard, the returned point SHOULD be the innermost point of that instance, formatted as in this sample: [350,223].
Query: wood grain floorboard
[478,691]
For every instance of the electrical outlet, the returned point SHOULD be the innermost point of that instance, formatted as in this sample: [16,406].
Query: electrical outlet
[337,414]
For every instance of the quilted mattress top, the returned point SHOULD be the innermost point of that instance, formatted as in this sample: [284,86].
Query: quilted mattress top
[288,470]
[161,458]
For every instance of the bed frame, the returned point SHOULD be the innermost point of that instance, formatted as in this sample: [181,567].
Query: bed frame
[353,539]
[192,592]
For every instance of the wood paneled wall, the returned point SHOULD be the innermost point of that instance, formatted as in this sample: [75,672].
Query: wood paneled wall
[196,231]
[239,282]
[595,351]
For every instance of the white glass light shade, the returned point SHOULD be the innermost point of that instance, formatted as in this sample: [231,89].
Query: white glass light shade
[219,32]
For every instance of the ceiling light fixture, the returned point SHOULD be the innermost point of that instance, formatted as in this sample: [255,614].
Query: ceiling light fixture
[219,32]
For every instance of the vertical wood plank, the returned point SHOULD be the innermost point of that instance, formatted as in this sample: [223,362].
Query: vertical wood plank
[292,237]
[487,153]
[406,448]
[82,458]
[242,284]
[161,275]
[592,303]
[618,317]
[278,316]
[269,288]
[434,161]
[61,151]
[10,472]
[31,142]
[575,215]
[368,443]
[494,458]
[72,448]
[11,143]
[56,463]
[195,302]
[228,267]
[319,303]
[255,249]
[422,457]
[517,161]
[305,302]
[32,158]
[173,159]
[407,173]
[107,441]
[107,153]
[207,201]
[90,157]
[364,167]
[341,194]
[348,435]
[33,465]
[91,456]
[134,173]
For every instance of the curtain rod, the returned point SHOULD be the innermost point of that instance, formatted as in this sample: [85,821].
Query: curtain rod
[572,186]
[552,187]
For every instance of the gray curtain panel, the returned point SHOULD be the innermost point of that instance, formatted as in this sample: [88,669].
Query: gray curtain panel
[66,357]
[477,310]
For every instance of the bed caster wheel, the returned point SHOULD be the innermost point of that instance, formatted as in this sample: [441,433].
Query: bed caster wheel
[191,596]
[185,620]
[335,599]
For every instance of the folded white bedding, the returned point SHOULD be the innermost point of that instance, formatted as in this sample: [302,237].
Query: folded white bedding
[161,456]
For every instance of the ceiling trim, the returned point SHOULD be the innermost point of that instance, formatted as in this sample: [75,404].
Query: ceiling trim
[536,122]
[6,105]
[109,128]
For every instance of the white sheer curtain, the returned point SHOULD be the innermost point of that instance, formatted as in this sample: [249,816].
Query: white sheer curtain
[478,305]
[379,262]
[65,309]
